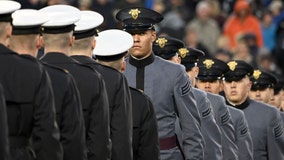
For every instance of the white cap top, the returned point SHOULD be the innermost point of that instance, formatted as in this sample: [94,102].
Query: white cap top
[28,17]
[112,42]
[89,20]
[61,15]
[7,6]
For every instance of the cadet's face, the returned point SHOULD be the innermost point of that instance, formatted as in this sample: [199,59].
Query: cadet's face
[261,95]
[209,86]
[142,46]
[175,59]
[237,91]
[276,100]
[282,102]
[193,74]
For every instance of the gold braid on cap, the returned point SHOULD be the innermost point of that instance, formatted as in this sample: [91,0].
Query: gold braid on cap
[208,63]
[232,65]
[134,13]
[256,74]
[182,52]
[161,42]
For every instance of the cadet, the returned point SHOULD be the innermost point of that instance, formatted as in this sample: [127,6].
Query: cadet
[112,46]
[189,58]
[57,40]
[263,120]
[276,99]
[164,82]
[210,79]
[209,128]
[4,141]
[115,82]
[69,117]
[262,86]
[33,133]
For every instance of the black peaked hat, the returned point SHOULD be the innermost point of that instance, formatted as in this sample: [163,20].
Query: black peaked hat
[279,85]
[167,47]
[262,80]
[238,70]
[190,57]
[211,69]
[138,18]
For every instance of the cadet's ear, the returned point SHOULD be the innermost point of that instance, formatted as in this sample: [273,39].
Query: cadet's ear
[123,66]
[9,31]
[71,42]
[39,42]
[94,43]
[153,35]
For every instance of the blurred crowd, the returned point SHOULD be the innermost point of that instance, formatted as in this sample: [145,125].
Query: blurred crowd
[251,30]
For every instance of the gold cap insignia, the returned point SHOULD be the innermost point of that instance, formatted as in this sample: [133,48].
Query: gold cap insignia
[134,13]
[182,52]
[208,63]
[256,74]
[161,42]
[232,65]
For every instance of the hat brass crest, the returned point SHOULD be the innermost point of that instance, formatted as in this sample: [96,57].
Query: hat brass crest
[256,74]
[232,65]
[208,63]
[134,13]
[183,52]
[161,42]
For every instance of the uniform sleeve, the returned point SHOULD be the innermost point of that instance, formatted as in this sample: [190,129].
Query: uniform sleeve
[149,141]
[72,125]
[243,138]
[45,133]
[229,146]
[98,133]
[192,138]
[121,123]
[275,137]
[4,144]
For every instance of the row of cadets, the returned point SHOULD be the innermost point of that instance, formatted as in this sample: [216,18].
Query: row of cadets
[169,48]
[33,133]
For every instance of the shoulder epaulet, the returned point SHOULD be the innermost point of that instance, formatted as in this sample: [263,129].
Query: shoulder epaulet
[135,89]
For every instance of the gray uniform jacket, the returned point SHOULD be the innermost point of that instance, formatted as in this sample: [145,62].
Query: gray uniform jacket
[266,129]
[242,134]
[169,88]
[224,120]
[282,116]
[209,128]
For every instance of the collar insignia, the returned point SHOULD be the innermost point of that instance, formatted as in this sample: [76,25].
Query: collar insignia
[232,65]
[256,74]
[183,52]
[208,63]
[134,13]
[161,42]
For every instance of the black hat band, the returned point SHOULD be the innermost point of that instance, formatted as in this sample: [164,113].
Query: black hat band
[86,33]
[26,30]
[111,58]
[6,17]
[58,29]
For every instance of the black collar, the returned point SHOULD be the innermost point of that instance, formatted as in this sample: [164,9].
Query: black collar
[244,105]
[83,59]
[143,62]
[6,50]
[57,58]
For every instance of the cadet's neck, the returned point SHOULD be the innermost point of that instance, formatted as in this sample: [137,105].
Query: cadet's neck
[81,53]
[65,51]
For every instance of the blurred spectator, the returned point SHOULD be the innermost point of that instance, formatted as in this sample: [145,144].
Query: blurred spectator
[242,22]
[278,54]
[268,29]
[241,52]
[276,7]
[175,19]
[223,55]
[250,40]
[191,40]
[32,4]
[216,13]
[120,4]
[227,6]
[223,42]
[106,9]
[206,27]
[265,61]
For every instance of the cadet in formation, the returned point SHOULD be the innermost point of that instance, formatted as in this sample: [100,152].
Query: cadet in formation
[277,97]
[112,46]
[189,58]
[57,40]
[168,48]
[25,40]
[4,141]
[266,128]
[165,83]
[33,133]
[209,79]
[116,85]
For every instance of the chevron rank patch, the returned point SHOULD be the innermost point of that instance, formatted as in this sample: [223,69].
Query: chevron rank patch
[244,131]
[225,118]
[185,88]
[206,112]
[278,130]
